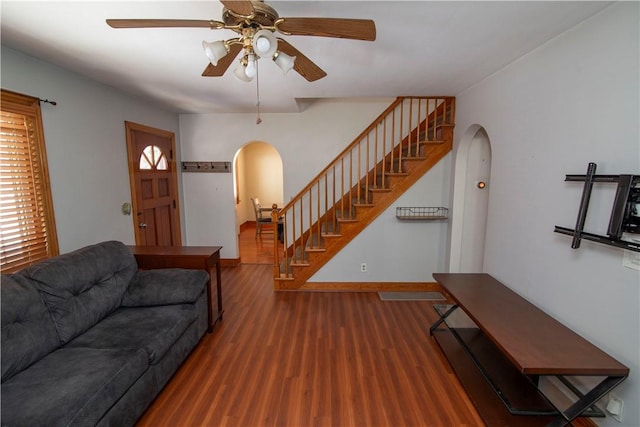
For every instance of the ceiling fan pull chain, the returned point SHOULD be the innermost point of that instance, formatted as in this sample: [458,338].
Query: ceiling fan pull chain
[258,119]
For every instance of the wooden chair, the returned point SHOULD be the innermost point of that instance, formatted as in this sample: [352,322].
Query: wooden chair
[263,216]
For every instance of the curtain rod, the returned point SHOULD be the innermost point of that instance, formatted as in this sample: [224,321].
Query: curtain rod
[47,101]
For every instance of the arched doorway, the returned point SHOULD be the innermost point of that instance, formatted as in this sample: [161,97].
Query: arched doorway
[470,201]
[258,172]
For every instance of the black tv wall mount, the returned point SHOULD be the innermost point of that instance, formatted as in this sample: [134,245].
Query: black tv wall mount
[625,214]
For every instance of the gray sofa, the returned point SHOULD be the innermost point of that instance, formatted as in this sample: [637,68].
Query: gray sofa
[87,339]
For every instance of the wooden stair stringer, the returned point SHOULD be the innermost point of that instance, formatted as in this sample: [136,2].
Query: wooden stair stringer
[349,230]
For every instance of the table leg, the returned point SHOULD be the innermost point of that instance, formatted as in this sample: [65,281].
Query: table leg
[587,401]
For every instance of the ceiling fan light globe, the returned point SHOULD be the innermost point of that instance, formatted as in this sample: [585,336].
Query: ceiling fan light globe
[264,43]
[284,61]
[250,70]
[241,74]
[214,51]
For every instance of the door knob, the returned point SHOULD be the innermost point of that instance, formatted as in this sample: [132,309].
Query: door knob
[142,225]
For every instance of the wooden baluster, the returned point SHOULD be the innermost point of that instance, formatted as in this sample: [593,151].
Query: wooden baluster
[301,241]
[384,151]
[399,145]
[342,195]
[294,235]
[318,215]
[326,201]
[333,203]
[359,176]
[409,139]
[392,142]
[310,216]
[366,167]
[428,132]
[375,159]
[350,182]
[419,126]
[274,224]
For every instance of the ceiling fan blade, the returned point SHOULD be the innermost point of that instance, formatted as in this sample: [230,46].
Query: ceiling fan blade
[239,7]
[162,23]
[303,65]
[223,63]
[357,29]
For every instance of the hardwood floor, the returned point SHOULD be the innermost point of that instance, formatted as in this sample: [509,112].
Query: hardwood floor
[255,250]
[313,359]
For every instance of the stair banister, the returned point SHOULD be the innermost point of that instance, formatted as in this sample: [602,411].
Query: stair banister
[299,238]
[343,153]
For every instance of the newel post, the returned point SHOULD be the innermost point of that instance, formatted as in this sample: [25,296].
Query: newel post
[276,235]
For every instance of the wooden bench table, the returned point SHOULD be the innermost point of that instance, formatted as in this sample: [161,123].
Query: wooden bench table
[501,345]
[205,258]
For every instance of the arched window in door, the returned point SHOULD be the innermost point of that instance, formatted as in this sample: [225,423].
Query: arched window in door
[152,158]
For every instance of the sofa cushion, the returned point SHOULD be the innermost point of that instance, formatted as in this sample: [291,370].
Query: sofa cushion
[154,329]
[165,286]
[71,386]
[82,287]
[28,333]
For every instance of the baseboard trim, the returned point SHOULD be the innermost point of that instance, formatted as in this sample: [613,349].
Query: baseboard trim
[371,286]
[246,225]
[229,262]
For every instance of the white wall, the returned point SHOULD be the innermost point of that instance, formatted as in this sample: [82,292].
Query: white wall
[396,250]
[572,101]
[86,147]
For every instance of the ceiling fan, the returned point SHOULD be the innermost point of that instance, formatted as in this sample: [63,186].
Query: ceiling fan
[256,23]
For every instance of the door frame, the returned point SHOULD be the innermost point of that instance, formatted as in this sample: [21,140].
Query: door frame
[130,127]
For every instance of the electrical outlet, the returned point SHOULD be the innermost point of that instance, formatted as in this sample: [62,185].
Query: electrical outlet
[614,407]
[363,267]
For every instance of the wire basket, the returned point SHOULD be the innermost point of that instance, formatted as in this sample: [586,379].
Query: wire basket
[422,213]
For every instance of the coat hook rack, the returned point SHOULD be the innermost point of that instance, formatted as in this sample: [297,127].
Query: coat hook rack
[625,214]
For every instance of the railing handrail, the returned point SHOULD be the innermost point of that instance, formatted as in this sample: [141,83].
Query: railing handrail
[356,140]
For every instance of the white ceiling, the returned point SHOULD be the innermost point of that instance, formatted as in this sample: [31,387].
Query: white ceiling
[422,48]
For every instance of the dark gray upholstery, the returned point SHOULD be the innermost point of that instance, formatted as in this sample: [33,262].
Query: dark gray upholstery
[28,333]
[166,286]
[82,287]
[71,386]
[73,355]
[156,329]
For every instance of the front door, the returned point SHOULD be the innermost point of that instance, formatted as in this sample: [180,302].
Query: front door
[153,179]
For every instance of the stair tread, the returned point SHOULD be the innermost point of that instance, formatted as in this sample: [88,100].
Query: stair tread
[299,264]
[331,235]
[380,189]
[431,141]
[315,250]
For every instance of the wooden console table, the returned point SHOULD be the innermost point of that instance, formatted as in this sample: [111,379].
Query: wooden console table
[193,257]
[499,345]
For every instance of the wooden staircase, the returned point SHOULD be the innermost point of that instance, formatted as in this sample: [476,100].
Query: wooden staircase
[394,152]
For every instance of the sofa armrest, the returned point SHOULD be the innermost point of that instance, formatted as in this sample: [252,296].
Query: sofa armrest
[165,286]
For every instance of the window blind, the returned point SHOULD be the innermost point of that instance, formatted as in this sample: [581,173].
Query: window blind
[27,226]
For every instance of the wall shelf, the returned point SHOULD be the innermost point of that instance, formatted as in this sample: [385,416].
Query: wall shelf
[421,213]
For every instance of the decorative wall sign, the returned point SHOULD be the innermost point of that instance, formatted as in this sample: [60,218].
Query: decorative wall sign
[217,167]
